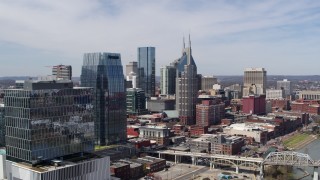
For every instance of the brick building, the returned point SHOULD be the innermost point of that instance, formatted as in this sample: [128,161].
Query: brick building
[151,164]
[280,104]
[198,130]
[159,134]
[209,112]
[254,104]
[307,106]
[120,170]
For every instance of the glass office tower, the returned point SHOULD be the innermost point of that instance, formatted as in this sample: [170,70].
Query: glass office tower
[147,70]
[104,72]
[48,119]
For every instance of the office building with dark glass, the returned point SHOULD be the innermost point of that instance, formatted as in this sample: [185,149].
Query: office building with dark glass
[147,70]
[48,119]
[104,72]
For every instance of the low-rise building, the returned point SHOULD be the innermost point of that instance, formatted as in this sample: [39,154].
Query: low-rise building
[309,95]
[120,170]
[87,166]
[198,130]
[152,164]
[306,106]
[150,118]
[159,134]
[217,144]
[258,133]
[275,94]
[132,131]
[136,169]
[138,143]
[159,105]
[227,145]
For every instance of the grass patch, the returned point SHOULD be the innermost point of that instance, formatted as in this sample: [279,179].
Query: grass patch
[98,148]
[295,139]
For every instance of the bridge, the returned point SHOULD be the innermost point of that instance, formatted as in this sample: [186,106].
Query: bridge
[289,158]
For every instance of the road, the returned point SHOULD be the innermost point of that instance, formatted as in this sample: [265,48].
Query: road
[190,174]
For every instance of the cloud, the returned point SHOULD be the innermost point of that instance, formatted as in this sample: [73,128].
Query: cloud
[241,32]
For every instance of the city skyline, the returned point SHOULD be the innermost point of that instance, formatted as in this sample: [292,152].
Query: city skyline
[276,35]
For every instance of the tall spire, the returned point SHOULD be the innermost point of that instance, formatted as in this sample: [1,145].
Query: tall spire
[183,46]
[189,51]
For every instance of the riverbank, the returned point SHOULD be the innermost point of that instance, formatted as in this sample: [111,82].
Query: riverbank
[299,140]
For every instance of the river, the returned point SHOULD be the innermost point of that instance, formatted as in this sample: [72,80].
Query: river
[313,150]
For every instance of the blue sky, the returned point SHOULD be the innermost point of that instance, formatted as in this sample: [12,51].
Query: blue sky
[227,36]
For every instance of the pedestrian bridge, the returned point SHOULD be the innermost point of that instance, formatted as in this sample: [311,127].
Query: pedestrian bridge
[284,158]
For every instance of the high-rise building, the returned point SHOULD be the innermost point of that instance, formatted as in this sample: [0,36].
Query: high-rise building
[186,86]
[286,86]
[104,72]
[48,119]
[147,70]
[131,75]
[136,101]
[132,67]
[254,81]
[207,82]
[168,80]
[62,72]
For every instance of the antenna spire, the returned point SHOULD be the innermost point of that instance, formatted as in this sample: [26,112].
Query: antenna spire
[183,46]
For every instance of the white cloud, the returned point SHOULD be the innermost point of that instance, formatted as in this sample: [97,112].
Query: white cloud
[70,28]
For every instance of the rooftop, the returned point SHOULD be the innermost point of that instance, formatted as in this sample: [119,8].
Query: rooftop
[50,165]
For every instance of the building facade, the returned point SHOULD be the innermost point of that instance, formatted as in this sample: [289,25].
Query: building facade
[158,134]
[186,87]
[309,95]
[2,126]
[62,72]
[254,104]
[132,67]
[168,80]
[254,81]
[275,94]
[48,119]
[286,86]
[160,105]
[207,82]
[87,168]
[209,113]
[136,101]
[104,72]
[147,70]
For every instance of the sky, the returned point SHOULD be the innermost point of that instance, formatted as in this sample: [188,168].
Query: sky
[227,36]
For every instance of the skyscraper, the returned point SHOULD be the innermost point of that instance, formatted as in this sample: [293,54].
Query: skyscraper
[62,72]
[147,70]
[132,67]
[286,86]
[104,72]
[48,119]
[207,82]
[168,80]
[136,101]
[254,81]
[2,126]
[186,86]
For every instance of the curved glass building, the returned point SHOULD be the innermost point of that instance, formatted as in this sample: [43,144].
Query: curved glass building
[104,72]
